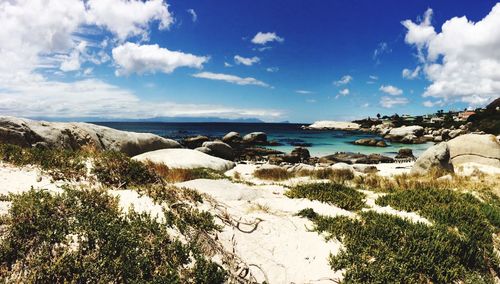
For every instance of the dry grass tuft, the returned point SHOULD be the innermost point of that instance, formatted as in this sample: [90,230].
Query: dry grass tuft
[181,175]
[276,174]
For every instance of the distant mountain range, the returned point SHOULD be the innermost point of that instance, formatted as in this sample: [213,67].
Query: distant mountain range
[154,119]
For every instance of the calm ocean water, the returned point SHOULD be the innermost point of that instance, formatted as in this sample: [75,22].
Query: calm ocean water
[323,142]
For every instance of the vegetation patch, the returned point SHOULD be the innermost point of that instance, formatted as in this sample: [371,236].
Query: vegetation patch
[382,248]
[59,164]
[82,236]
[276,174]
[181,175]
[337,194]
[335,175]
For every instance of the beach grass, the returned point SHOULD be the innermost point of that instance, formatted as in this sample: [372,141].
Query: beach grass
[337,194]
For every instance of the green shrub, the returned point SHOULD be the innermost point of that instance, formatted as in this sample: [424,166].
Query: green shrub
[58,163]
[116,169]
[276,174]
[382,248]
[81,236]
[334,193]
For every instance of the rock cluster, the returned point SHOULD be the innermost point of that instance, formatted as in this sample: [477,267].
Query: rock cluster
[370,142]
[356,158]
[73,136]
[417,134]
[481,150]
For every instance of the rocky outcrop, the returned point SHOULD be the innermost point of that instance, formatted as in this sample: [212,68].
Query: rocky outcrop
[231,138]
[185,159]
[72,136]
[219,149]
[405,153]
[255,138]
[475,148]
[333,125]
[301,152]
[482,150]
[356,158]
[194,142]
[436,157]
[407,134]
[370,142]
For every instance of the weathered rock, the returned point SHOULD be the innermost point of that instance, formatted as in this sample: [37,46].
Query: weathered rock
[255,138]
[341,166]
[353,158]
[337,125]
[405,153]
[220,149]
[437,156]
[73,136]
[438,138]
[475,148]
[366,169]
[185,159]
[406,134]
[204,150]
[302,153]
[455,133]
[231,138]
[288,158]
[195,142]
[370,142]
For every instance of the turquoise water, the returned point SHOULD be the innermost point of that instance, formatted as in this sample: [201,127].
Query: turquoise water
[322,142]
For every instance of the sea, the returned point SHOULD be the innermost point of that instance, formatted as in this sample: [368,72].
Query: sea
[319,142]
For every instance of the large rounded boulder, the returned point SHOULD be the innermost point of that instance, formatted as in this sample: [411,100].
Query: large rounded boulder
[73,136]
[255,138]
[481,149]
[219,149]
[185,159]
[436,157]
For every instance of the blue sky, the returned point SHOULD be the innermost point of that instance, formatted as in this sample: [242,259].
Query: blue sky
[336,60]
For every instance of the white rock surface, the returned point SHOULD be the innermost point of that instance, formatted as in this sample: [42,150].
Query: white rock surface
[328,124]
[406,130]
[185,159]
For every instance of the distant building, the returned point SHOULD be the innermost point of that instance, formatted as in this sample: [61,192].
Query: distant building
[463,116]
[436,119]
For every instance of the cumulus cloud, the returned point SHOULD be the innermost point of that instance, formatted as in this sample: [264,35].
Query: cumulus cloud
[342,93]
[264,38]
[391,90]
[194,16]
[389,102]
[346,79]
[230,79]
[140,59]
[411,74]
[246,61]
[127,18]
[462,62]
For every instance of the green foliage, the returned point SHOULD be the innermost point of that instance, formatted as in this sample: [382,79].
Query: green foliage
[276,174]
[334,193]
[117,169]
[82,236]
[59,164]
[382,248]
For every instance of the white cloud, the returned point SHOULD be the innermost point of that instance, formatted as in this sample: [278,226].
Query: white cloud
[230,79]
[346,79]
[227,64]
[311,101]
[365,105]
[411,74]
[263,38]
[389,102]
[246,61]
[134,58]
[432,104]
[462,62]
[127,18]
[95,98]
[193,14]
[344,92]
[391,90]
[272,69]
[373,77]
[304,92]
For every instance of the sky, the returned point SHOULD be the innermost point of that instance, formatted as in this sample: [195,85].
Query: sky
[292,60]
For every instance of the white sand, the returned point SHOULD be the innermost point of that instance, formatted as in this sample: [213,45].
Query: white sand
[281,245]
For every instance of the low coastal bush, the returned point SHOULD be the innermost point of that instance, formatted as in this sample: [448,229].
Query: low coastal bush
[82,236]
[382,248]
[181,175]
[334,193]
[477,182]
[59,164]
[335,175]
[276,174]
[116,169]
